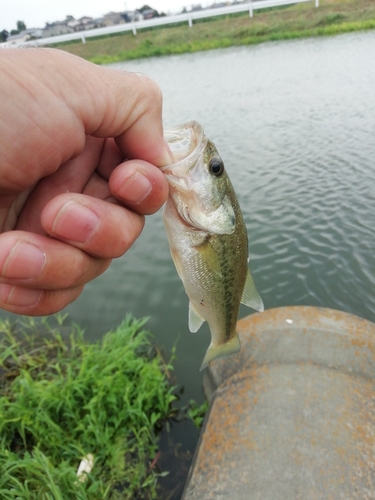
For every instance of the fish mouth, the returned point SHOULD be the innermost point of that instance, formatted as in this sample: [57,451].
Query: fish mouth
[186,142]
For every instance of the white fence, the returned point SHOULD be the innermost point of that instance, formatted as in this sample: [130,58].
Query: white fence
[161,21]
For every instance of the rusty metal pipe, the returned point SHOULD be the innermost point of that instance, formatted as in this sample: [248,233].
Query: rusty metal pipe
[293,414]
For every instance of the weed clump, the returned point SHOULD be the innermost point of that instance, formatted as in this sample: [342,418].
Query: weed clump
[62,399]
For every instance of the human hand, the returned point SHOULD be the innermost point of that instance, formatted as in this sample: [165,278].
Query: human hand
[69,202]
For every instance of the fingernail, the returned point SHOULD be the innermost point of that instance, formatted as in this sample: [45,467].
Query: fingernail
[24,261]
[136,188]
[18,296]
[76,222]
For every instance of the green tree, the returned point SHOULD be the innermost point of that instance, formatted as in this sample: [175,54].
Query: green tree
[21,26]
[145,7]
[4,35]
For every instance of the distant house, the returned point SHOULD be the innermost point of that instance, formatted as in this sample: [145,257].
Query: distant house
[113,18]
[89,25]
[24,36]
[136,15]
[57,28]
[219,4]
[126,16]
[84,23]
[85,20]
[17,39]
[73,23]
[149,13]
[98,22]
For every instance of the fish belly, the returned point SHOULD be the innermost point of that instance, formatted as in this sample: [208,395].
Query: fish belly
[214,293]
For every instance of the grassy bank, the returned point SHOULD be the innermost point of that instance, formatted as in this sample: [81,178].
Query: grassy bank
[62,399]
[282,23]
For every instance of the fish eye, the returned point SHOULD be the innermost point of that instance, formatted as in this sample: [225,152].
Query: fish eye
[216,167]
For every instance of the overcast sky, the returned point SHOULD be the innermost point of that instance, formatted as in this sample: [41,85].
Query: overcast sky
[35,13]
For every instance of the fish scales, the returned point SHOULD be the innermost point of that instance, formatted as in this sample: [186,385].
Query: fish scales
[207,238]
[233,269]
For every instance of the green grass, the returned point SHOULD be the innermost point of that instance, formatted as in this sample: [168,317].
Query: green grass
[278,23]
[62,398]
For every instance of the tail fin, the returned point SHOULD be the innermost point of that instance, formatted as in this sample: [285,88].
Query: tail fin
[216,351]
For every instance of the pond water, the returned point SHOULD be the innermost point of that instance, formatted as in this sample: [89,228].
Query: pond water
[295,124]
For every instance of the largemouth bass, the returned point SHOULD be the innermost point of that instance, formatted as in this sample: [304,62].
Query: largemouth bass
[207,238]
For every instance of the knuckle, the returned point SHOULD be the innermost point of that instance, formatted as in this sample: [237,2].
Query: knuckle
[148,93]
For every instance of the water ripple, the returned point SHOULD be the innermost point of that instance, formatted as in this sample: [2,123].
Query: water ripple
[294,123]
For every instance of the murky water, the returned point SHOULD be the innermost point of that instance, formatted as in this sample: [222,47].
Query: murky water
[295,125]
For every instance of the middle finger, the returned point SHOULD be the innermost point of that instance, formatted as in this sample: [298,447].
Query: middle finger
[36,261]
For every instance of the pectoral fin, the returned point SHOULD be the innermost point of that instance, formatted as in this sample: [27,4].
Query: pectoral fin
[250,296]
[195,321]
[209,254]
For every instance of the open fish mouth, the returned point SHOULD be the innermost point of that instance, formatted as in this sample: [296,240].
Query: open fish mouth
[198,201]
[186,143]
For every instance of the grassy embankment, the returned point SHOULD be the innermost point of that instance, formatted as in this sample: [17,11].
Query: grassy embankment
[62,398]
[282,23]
